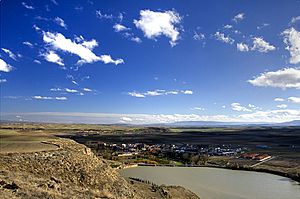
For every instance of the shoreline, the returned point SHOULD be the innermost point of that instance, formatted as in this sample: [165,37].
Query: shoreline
[252,169]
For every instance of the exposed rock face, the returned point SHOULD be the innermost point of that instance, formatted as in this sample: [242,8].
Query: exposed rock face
[72,171]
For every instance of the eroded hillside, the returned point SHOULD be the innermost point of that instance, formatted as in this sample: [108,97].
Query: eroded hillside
[71,171]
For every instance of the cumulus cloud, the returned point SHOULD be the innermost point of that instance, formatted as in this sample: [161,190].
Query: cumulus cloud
[38,97]
[107,59]
[261,45]
[284,78]
[239,17]
[238,107]
[294,100]
[282,106]
[83,49]
[292,40]
[4,66]
[154,24]
[10,54]
[60,22]
[278,99]
[51,56]
[120,27]
[221,37]
[242,47]
[27,6]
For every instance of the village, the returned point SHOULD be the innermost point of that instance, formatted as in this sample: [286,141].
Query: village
[168,154]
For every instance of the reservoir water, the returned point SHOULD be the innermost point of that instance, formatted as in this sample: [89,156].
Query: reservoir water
[215,183]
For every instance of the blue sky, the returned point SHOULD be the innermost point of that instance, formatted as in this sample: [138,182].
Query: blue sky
[150,61]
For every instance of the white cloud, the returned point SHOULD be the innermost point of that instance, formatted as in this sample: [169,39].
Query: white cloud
[71,90]
[90,44]
[55,89]
[51,56]
[136,94]
[54,1]
[262,26]
[126,119]
[239,17]
[4,66]
[284,78]
[58,42]
[198,108]
[242,47]
[228,26]
[279,99]
[292,40]
[172,93]
[36,61]
[48,98]
[60,22]
[27,6]
[155,93]
[155,24]
[282,106]
[281,115]
[136,39]
[87,89]
[237,107]
[74,82]
[221,37]
[107,59]
[3,80]
[103,16]
[261,45]
[295,100]
[120,27]
[10,54]
[295,19]
[27,43]
[198,36]
[159,92]
[187,92]
[253,107]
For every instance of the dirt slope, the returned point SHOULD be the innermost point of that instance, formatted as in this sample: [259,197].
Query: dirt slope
[71,171]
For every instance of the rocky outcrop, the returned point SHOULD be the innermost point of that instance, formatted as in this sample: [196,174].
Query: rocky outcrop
[71,171]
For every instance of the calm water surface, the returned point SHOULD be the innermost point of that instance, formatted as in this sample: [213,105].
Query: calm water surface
[214,183]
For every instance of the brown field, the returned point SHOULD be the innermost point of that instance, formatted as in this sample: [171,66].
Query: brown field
[12,141]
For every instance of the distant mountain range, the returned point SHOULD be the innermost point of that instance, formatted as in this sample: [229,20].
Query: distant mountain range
[291,123]
[213,123]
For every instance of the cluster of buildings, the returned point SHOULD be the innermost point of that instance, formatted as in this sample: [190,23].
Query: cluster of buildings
[126,149]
